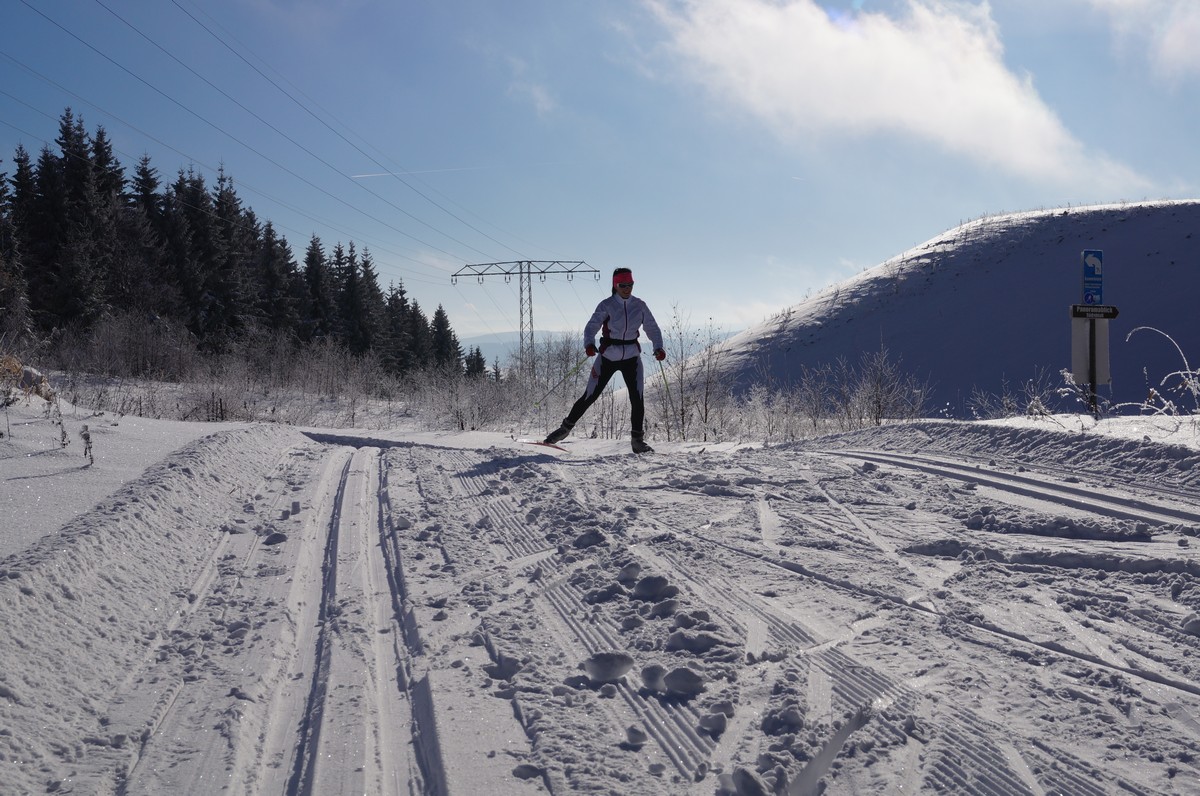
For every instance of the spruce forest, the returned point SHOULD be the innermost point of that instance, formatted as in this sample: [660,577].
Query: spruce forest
[134,276]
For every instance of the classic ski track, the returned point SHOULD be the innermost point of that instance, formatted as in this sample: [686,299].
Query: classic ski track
[981,749]
[356,746]
[194,610]
[1090,500]
[304,758]
[360,728]
[423,755]
[1169,493]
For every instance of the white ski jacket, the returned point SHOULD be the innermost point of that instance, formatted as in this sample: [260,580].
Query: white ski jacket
[618,319]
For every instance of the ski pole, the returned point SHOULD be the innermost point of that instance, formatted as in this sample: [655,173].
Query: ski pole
[670,403]
[570,373]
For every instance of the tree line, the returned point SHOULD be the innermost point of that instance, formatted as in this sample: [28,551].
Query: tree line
[85,248]
[176,300]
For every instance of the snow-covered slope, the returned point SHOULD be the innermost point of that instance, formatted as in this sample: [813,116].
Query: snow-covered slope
[934,607]
[989,302]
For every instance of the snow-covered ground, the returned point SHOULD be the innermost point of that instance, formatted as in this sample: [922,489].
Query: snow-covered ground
[998,608]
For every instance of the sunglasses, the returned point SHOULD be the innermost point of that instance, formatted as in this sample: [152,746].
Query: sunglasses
[624,284]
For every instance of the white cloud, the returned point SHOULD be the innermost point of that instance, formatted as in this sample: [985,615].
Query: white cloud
[1168,29]
[935,73]
[532,91]
[536,94]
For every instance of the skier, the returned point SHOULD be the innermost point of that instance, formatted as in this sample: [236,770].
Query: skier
[617,319]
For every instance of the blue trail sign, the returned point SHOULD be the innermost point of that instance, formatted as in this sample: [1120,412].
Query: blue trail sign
[1093,276]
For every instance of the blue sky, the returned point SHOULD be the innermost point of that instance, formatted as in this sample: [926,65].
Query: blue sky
[738,155]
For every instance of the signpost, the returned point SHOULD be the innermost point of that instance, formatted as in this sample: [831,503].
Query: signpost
[1089,328]
[1093,276]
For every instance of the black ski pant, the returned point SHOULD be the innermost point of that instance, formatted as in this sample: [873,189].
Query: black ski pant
[631,370]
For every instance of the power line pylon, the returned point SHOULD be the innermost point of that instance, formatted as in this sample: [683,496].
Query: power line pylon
[524,270]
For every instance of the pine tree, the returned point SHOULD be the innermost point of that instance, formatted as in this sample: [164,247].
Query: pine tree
[279,290]
[116,236]
[70,284]
[146,197]
[108,171]
[154,289]
[398,355]
[320,309]
[475,366]
[352,300]
[185,207]
[15,319]
[79,178]
[420,336]
[24,189]
[15,208]
[445,348]
[230,279]
[41,217]
[374,320]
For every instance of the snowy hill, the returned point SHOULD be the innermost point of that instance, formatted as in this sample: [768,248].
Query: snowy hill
[989,302]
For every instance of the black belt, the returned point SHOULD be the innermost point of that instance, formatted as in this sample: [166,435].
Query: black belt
[611,341]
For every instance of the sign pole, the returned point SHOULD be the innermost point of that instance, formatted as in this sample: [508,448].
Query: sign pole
[1092,367]
[1091,310]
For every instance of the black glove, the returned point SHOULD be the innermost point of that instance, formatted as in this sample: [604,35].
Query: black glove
[659,354]
[590,349]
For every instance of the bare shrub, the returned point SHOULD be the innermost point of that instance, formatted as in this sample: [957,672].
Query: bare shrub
[831,397]
[1184,382]
[1033,398]
[693,395]
[813,395]
[130,344]
[449,399]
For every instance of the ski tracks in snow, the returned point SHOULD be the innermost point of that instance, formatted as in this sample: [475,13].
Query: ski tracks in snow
[961,753]
[409,619]
[290,671]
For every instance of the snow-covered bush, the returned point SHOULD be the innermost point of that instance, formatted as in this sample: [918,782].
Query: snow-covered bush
[1033,398]
[1184,382]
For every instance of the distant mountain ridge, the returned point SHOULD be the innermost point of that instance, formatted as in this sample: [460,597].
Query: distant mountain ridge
[989,301]
[503,346]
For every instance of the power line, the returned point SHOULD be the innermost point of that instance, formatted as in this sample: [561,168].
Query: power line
[278,131]
[232,137]
[358,149]
[524,270]
[214,170]
[281,133]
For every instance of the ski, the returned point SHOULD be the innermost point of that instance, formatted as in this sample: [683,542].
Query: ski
[543,444]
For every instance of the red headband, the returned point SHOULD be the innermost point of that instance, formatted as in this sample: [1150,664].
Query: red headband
[623,278]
